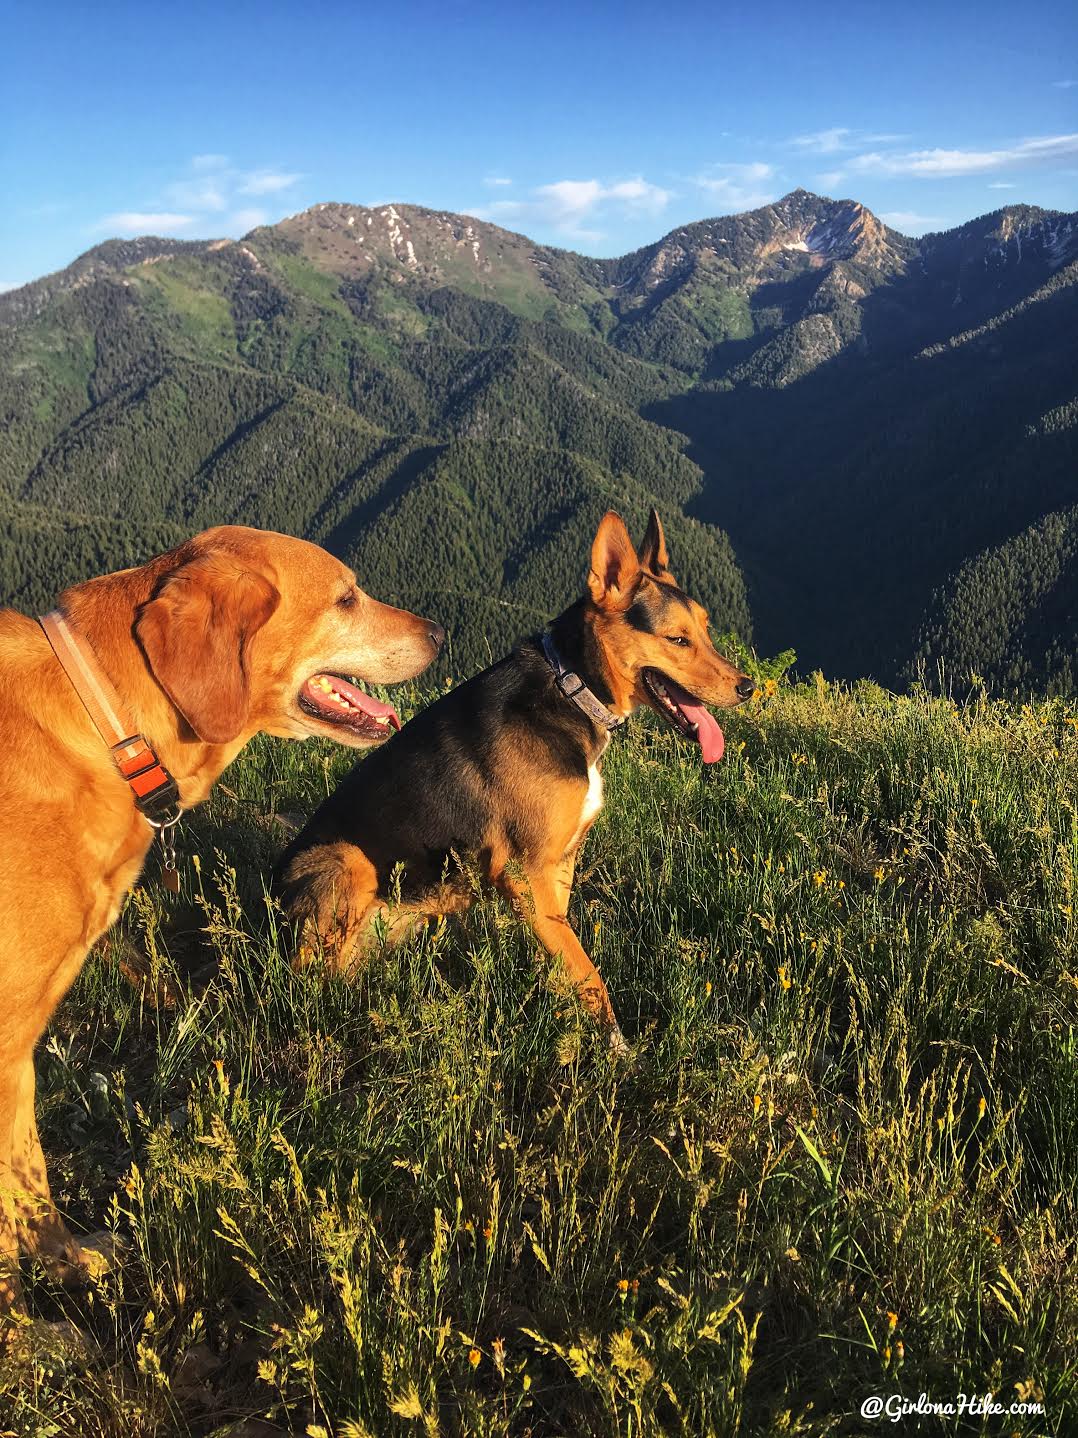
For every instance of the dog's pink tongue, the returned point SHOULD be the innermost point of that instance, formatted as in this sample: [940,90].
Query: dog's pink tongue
[708,734]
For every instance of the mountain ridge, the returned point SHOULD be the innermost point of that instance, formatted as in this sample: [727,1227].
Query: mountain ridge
[802,375]
[797,212]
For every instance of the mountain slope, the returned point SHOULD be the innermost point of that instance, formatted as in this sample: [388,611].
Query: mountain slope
[244,383]
[451,406]
[1010,614]
[890,431]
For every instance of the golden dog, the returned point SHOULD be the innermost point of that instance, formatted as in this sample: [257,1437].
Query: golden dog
[235,633]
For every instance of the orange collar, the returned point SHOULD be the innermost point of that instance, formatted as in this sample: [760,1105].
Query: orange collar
[152,787]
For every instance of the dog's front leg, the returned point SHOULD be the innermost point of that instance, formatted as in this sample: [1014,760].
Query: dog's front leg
[542,901]
[10,1283]
[41,1230]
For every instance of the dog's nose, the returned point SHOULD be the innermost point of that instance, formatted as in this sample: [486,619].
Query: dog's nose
[745,687]
[437,636]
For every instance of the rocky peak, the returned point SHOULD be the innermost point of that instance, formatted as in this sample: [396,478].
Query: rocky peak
[838,230]
[1005,239]
[1047,233]
[751,246]
[407,238]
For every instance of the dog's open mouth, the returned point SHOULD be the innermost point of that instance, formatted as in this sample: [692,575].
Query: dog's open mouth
[340,702]
[685,712]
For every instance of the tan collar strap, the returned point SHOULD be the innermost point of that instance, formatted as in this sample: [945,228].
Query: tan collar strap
[152,786]
[574,688]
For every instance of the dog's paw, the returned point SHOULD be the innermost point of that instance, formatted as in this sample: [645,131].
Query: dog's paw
[80,1263]
[616,1043]
[95,1255]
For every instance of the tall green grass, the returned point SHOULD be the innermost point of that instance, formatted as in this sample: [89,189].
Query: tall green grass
[843,1160]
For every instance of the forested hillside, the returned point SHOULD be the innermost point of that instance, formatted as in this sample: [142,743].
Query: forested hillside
[451,407]
[457,452]
[1011,614]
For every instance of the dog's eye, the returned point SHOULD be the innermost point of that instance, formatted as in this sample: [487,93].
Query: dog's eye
[677,639]
[347,601]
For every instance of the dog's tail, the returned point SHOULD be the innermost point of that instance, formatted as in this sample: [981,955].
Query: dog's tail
[326,892]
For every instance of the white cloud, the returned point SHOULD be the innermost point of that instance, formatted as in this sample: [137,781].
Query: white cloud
[737,187]
[1001,185]
[831,179]
[567,201]
[910,222]
[266,182]
[1064,84]
[207,199]
[824,142]
[494,181]
[243,220]
[640,194]
[144,222]
[570,201]
[840,137]
[8,285]
[948,164]
[573,207]
[208,193]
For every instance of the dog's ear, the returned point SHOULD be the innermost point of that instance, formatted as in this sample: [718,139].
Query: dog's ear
[196,634]
[615,565]
[653,555]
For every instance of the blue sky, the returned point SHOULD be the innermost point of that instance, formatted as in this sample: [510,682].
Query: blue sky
[598,127]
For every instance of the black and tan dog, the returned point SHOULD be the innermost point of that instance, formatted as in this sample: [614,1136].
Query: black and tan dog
[503,772]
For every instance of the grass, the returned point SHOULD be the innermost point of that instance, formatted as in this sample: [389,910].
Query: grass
[720,312]
[843,1162]
[178,293]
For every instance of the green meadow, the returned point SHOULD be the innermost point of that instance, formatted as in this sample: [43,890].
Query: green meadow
[842,1160]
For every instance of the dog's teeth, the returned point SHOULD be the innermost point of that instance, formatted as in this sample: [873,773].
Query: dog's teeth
[381,718]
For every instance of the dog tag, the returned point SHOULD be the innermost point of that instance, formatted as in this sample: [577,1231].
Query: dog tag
[170,874]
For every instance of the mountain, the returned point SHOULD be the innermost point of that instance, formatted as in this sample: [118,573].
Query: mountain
[894,410]
[408,401]
[450,406]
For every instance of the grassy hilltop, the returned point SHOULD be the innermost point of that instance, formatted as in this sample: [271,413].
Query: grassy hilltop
[843,1162]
